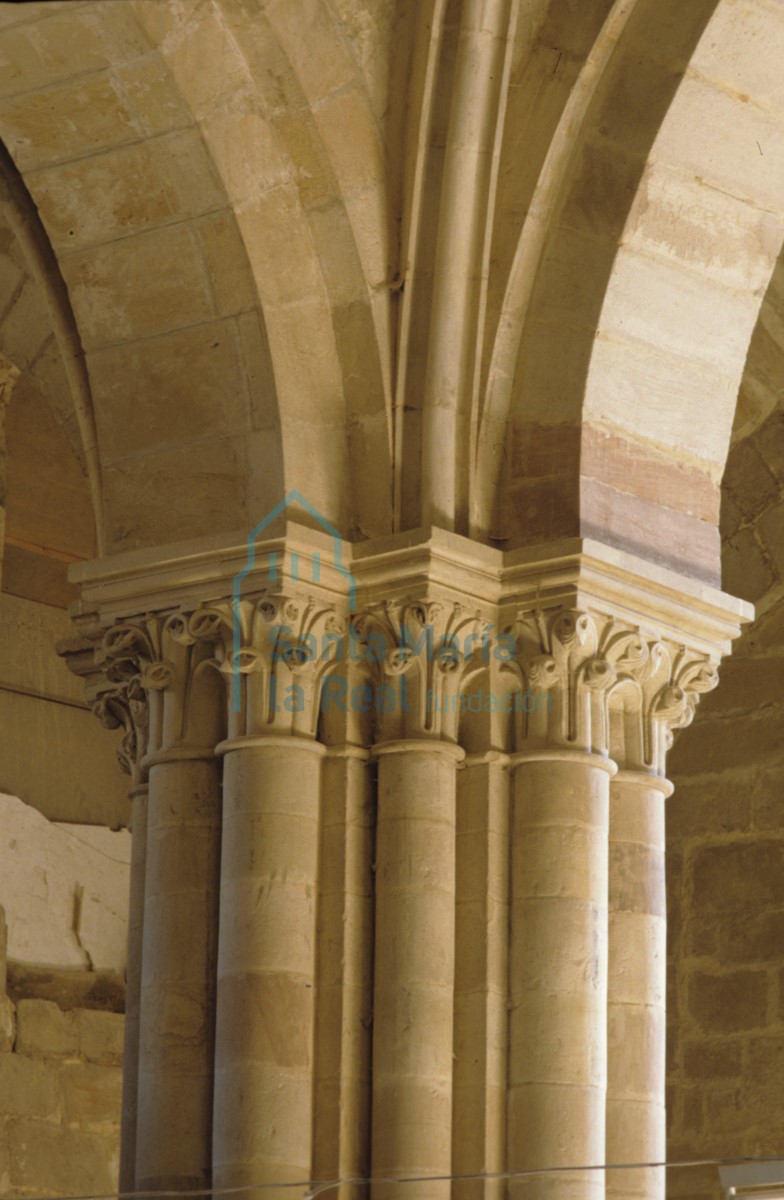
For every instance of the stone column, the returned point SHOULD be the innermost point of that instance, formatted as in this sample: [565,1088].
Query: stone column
[264,1057]
[611,653]
[344,969]
[177,984]
[133,980]
[119,701]
[176,1028]
[659,693]
[481,974]
[266,965]
[558,991]
[587,936]
[417,756]
[558,952]
[415,963]
[636,1002]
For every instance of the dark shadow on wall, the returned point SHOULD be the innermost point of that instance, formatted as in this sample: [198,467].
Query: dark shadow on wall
[752,493]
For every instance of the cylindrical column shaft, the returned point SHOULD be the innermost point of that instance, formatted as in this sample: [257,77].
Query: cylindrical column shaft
[176,1034]
[266,964]
[636,1002]
[133,980]
[414,964]
[558,973]
[481,975]
[341,1143]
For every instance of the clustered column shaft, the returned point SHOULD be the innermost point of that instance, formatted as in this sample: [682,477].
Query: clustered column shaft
[481,974]
[415,963]
[177,997]
[266,963]
[421,941]
[558,976]
[133,980]
[344,949]
[636,1012]
[172,713]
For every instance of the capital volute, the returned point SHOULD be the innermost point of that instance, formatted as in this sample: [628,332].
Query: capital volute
[425,654]
[124,706]
[604,687]
[275,653]
[145,675]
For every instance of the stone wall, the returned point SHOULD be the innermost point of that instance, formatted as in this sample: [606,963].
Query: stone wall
[60,1083]
[726,916]
[63,928]
[49,734]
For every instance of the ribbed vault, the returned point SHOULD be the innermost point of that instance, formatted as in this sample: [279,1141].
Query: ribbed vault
[493,266]
[157,276]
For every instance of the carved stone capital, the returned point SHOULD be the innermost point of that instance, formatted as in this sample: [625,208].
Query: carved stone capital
[424,653]
[599,685]
[275,652]
[609,653]
[150,677]
[113,697]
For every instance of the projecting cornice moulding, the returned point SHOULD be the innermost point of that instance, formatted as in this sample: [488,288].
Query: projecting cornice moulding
[430,564]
